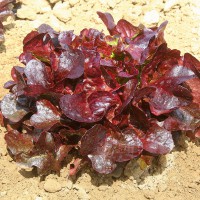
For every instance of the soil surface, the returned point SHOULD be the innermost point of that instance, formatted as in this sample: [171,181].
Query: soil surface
[176,176]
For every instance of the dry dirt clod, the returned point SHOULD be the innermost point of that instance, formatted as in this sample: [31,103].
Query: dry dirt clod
[62,11]
[52,186]
[103,188]
[2,194]
[151,17]
[38,6]
[26,12]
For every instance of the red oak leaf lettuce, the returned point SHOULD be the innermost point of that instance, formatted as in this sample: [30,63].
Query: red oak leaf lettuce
[109,98]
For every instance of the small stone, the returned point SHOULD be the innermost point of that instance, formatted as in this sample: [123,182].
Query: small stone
[170,4]
[3,193]
[151,17]
[102,188]
[54,22]
[45,9]
[37,6]
[26,13]
[62,11]
[52,186]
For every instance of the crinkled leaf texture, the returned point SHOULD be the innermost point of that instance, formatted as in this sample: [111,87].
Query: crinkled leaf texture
[70,65]
[11,109]
[89,109]
[158,141]
[47,115]
[104,150]
[24,142]
[45,152]
[36,73]
[110,98]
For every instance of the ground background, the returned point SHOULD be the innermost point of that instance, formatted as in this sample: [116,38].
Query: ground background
[179,177]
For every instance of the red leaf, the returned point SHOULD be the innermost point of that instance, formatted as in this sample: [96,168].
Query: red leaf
[70,65]
[19,143]
[104,150]
[11,109]
[158,141]
[90,140]
[40,45]
[108,21]
[126,29]
[47,115]
[90,109]
[36,73]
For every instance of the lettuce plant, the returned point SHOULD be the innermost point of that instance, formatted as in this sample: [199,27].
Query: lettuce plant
[5,11]
[109,98]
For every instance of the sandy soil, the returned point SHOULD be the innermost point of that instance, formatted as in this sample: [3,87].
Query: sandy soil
[178,175]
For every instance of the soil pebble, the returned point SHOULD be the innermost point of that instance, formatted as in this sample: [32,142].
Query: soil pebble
[52,186]
[151,17]
[61,11]
[26,12]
